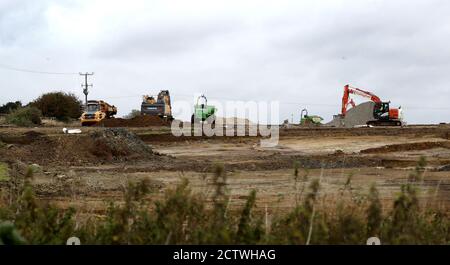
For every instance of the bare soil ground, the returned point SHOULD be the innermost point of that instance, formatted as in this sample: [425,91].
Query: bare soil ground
[71,171]
[139,121]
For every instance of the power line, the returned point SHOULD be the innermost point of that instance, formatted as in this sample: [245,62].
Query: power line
[33,71]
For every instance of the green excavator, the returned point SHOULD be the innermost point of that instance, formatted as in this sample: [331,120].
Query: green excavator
[307,120]
[203,112]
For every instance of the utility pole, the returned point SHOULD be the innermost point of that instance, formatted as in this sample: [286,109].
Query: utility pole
[85,86]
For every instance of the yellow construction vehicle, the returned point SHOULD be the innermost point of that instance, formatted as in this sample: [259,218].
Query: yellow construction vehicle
[159,106]
[95,111]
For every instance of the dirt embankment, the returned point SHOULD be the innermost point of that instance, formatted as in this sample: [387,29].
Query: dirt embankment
[406,147]
[139,121]
[107,145]
[441,131]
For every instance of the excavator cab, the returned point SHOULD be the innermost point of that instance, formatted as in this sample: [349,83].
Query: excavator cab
[93,107]
[381,110]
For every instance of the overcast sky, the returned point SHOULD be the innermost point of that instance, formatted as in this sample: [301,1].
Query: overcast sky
[301,53]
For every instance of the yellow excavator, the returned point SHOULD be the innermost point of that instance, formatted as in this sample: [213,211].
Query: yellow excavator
[159,106]
[95,111]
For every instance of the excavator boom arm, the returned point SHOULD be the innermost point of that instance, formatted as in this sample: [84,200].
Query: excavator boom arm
[353,90]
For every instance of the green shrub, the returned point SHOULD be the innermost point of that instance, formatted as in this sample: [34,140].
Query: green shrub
[10,106]
[133,114]
[27,116]
[9,234]
[63,106]
[374,213]
[3,172]
[38,222]
[183,217]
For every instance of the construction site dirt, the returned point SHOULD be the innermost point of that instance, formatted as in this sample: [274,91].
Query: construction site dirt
[94,166]
[139,121]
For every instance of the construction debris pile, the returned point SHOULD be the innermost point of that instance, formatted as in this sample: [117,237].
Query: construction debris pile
[356,116]
[111,144]
[114,143]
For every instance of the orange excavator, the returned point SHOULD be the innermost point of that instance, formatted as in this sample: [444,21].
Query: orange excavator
[382,113]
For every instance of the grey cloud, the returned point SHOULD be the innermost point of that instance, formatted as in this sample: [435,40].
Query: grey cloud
[160,40]
[388,46]
[21,20]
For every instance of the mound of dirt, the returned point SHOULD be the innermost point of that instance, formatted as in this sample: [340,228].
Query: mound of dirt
[406,147]
[356,116]
[118,142]
[139,121]
[111,144]
[27,138]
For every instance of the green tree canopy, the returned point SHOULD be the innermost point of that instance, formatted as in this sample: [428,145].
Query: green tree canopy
[60,105]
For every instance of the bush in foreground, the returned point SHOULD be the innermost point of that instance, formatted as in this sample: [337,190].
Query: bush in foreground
[133,114]
[10,107]
[27,117]
[183,217]
[63,106]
